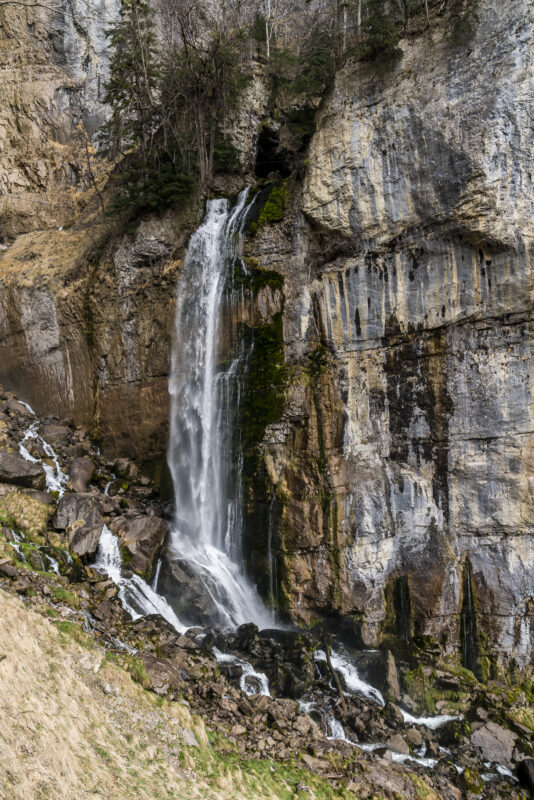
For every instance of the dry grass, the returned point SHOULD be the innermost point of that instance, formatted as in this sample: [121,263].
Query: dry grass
[62,738]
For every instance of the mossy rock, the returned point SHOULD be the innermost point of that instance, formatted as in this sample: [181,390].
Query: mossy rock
[471,781]
[275,207]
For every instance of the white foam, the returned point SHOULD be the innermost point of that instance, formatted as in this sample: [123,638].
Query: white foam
[355,685]
[429,722]
[135,594]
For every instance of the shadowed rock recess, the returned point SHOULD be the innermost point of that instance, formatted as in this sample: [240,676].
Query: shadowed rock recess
[382,318]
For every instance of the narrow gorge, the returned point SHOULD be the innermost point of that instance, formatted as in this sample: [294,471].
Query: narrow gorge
[266,417]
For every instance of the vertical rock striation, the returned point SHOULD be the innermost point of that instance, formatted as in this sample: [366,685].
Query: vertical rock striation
[408,435]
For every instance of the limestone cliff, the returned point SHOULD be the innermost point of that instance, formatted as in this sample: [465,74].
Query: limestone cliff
[403,462]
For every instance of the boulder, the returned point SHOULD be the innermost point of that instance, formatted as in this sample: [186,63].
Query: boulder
[391,677]
[84,538]
[81,472]
[14,469]
[143,537]
[398,744]
[189,738]
[7,570]
[124,468]
[414,737]
[164,677]
[495,742]
[52,433]
[74,507]
[186,592]
[17,408]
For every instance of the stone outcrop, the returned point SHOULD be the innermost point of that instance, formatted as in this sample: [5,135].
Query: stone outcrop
[53,66]
[400,475]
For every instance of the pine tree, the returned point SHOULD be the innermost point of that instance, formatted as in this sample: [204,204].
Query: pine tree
[132,91]
[381,37]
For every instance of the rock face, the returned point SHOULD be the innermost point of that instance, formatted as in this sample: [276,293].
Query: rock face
[401,471]
[53,67]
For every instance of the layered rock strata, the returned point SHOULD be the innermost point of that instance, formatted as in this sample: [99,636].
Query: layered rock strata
[404,460]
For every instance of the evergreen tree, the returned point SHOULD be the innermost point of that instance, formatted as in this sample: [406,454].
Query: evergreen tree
[381,37]
[132,88]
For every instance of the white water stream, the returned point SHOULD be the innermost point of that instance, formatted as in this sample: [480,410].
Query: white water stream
[56,480]
[135,594]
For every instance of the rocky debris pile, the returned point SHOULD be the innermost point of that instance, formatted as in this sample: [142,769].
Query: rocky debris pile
[483,744]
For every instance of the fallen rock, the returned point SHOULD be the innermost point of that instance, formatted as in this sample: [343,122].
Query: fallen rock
[143,537]
[392,678]
[52,433]
[162,674]
[17,408]
[75,507]
[83,539]
[14,469]
[7,570]
[398,744]
[413,737]
[186,593]
[495,742]
[81,472]
[314,764]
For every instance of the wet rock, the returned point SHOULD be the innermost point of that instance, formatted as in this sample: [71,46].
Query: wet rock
[81,472]
[15,470]
[83,539]
[495,742]
[35,559]
[451,733]
[16,408]
[186,592]
[143,537]
[471,782]
[525,774]
[393,715]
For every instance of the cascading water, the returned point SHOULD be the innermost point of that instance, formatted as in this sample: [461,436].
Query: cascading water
[136,596]
[56,480]
[204,455]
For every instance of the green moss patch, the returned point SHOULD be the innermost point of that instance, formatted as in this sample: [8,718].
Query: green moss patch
[275,207]
[266,381]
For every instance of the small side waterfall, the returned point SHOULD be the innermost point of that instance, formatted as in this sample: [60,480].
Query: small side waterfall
[204,453]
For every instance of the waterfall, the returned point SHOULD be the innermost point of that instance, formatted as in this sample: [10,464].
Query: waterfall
[204,450]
